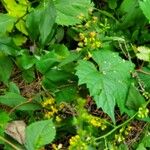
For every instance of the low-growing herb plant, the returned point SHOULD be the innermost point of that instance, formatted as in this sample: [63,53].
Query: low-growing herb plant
[74,75]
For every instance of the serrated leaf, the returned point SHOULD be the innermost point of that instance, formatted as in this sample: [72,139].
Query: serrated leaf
[112,73]
[43,132]
[68,11]
[6,23]
[145,5]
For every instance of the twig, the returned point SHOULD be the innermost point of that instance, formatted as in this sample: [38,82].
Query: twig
[144,72]
[8,142]
[13,109]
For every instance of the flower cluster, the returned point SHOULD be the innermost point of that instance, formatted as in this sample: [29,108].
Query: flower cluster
[146,95]
[123,132]
[76,143]
[50,107]
[89,39]
[97,122]
[143,112]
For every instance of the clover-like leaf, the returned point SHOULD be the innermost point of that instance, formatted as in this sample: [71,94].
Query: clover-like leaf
[112,74]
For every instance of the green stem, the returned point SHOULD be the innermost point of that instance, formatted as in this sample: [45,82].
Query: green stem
[116,128]
[8,142]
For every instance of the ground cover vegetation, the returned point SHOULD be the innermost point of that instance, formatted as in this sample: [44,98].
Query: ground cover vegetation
[74,74]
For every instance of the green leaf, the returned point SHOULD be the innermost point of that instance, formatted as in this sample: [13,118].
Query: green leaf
[21,26]
[112,4]
[47,21]
[6,23]
[130,14]
[46,62]
[68,11]
[19,39]
[39,134]
[146,141]
[25,61]
[143,53]
[12,100]
[8,46]
[40,22]
[6,70]
[32,22]
[145,78]
[3,121]
[16,9]
[112,73]
[13,88]
[66,94]
[28,75]
[134,99]
[145,5]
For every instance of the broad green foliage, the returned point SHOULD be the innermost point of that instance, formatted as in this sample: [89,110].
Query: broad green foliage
[8,47]
[41,22]
[134,100]
[39,134]
[76,72]
[5,71]
[131,13]
[75,10]
[3,122]
[17,10]
[15,100]
[145,5]
[104,80]
[6,23]
[144,78]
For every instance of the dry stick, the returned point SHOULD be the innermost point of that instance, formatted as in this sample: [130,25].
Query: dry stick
[13,109]
[144,72]
[8,142]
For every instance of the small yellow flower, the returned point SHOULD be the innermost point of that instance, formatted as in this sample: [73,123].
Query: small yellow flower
[87,25]
[82,36]
[96,122]
[54,109]
[81,16]
[58,119]
[92,34]
[49,101]
[48,115]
